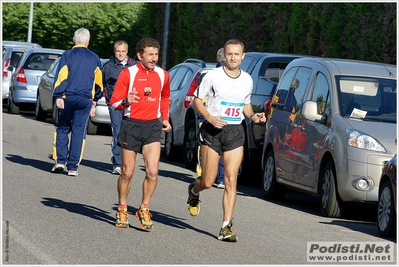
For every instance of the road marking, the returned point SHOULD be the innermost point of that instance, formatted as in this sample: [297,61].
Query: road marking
[37,253]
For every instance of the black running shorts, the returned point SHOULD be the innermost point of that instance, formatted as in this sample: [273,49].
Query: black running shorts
[134,134]
[228,138]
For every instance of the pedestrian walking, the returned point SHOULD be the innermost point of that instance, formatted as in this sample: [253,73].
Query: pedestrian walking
[142,92]
[78,86]
[227,91]
[111,69]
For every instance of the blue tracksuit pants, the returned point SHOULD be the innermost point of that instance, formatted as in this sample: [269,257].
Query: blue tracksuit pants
[72,119]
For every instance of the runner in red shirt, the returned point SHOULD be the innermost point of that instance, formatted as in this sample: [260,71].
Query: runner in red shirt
[142,92]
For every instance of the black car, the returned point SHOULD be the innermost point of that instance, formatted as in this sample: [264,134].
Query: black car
[386,211]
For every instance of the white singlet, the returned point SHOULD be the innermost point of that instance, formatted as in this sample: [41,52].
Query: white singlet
[225,96]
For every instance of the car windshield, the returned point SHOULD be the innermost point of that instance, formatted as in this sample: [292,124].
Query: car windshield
[371,99]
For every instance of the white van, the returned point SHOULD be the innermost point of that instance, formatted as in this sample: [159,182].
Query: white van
[331,127]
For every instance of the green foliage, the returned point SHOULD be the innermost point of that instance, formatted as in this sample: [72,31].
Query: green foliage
[55,23]
[365,31]
[15,21]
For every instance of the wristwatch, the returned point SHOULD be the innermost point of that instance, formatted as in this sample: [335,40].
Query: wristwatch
[125,102]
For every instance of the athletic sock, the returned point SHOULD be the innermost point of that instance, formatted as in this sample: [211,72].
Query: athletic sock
[194,194]
[122,206]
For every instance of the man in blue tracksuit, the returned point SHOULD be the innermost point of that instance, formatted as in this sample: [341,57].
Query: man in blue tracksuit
[111,70]
[77,88]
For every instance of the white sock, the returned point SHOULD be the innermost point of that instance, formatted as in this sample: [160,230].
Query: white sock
[225,223]
[194,194]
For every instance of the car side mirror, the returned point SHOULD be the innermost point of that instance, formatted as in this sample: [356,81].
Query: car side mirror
[310,112]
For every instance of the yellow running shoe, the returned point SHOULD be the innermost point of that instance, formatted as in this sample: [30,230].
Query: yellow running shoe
[193,206]
[144,216]
[121,218]
[226,234]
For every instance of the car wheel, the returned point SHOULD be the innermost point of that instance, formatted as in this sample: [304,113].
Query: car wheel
[386,215]
[92,128]
[54,113]
[11,107]
[170,149]
[40,114]
[330,204]
[271,189]
[190,146]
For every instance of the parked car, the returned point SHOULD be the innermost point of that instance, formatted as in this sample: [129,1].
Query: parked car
[11,56]
[46,104]
[26,76]
[12,51]
[386,210]
[101,119]
[18,43]
[331,127]
[183,82]
[265,70]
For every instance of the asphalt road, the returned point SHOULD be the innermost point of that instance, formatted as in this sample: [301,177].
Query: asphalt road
[56,219]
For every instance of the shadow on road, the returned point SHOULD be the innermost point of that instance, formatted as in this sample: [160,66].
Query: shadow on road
[104,216]
[78,208]
[47,166]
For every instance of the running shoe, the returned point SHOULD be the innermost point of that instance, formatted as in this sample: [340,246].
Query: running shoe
[144,216]
[72,173]
[226,234]
[121,218]
[117,170]
[58,168]
[193,205]
[219,185]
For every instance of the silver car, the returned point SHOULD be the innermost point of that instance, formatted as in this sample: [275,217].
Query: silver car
[11,56]
[12,51]
[18,43]
[183,82]
[26,76]
[101,118]
[331,128]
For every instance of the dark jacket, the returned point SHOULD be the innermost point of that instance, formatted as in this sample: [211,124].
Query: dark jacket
[111,70]
[79,73]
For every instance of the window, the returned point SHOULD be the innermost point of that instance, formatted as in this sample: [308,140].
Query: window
[15,56]
[285,85]
[177,77]
[274,71]
[293,87]
[320,94]
[247,64]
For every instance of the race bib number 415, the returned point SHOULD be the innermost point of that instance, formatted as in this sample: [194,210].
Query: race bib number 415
[231,112]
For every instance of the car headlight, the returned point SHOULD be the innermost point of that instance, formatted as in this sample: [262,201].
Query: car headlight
[358,139]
